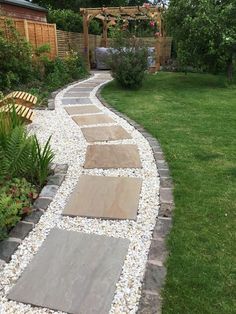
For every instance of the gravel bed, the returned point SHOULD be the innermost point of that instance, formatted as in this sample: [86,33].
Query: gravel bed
[70,146]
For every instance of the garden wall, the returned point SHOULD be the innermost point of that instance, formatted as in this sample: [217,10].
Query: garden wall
[36,33]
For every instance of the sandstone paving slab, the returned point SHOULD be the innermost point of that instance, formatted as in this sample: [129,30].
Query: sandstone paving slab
[105,133]
[93,119]
[112,156]
[73,272]
[76,101]
[82,110]
[105,197]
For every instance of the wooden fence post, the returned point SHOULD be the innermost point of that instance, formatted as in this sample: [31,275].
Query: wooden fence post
[26,29]
[56,43]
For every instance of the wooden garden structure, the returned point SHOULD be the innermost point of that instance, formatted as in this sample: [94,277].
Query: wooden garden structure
[109,16]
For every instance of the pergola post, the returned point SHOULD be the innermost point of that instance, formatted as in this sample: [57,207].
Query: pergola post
[104,34]
[86,39]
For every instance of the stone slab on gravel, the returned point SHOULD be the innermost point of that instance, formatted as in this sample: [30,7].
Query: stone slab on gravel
[49,191]
[73,272]
[105,133]
[76,94]
[105,197]
[82,110]
[81,89]
[112,156]
[93,119]
[76,101]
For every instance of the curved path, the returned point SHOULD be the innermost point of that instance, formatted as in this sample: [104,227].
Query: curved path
[95,237]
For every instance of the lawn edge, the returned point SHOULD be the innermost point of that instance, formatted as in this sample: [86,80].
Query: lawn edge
[155,272]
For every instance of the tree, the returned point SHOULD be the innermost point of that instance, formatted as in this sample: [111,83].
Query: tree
[204,32]
[75,5]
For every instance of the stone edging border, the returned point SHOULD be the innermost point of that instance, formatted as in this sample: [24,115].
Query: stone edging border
[155,273]
[23,227]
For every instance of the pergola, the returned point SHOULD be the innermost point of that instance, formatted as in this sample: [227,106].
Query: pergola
[109,16]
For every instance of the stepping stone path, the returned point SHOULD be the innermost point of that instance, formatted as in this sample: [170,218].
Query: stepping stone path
[89,251]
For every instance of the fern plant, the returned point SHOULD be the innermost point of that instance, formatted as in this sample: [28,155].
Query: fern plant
[41,157]
[21,155]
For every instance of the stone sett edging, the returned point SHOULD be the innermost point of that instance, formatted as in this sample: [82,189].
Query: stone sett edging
[155,273]
[22,229]
[51,99]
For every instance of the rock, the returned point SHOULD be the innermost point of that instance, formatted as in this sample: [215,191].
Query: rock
[49,191]
[21,230]
[42,203]
[34,216]
[61,168]
[7,248]
[56,179]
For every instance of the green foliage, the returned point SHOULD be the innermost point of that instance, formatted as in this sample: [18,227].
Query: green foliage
[15,58]
[20,154]
[40,161]
[58,72]
[75,5]
[205,33]
[16,198]
[128,59]
[70,21]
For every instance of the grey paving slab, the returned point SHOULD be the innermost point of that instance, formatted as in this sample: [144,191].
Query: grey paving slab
[81,89]
[105,133]
[82,110]
[73,272]
[76,101]
[105,197]
[92,119]
[76,94]
[112,156]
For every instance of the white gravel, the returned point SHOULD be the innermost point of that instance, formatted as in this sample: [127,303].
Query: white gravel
[69,146]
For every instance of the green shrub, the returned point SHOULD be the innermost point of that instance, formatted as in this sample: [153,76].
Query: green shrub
[128,61]
[16,197]
[15,59]
[70,21]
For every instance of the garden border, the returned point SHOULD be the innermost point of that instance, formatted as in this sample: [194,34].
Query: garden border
[155,273]
[26,225]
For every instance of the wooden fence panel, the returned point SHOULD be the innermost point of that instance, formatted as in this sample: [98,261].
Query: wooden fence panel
[36,33]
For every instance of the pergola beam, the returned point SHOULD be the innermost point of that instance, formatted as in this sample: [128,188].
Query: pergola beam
[110,14]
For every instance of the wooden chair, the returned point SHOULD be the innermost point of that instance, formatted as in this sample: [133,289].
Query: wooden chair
[21,102]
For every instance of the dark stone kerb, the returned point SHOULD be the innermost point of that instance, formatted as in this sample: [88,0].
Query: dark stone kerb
[155,273]
[23,228]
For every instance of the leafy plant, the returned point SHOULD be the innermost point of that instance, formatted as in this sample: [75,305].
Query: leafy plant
[17,68]
[20,154]
[41,159]
[128,59]
[16,197]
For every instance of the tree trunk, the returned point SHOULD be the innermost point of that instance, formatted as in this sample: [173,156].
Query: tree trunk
[230,69]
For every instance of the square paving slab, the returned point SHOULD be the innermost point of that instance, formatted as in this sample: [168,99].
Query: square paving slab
[112,156]
[73,272]
[76,94]
[93,119]
[105,197]
[81,89]
[105,133]
[82,109]
[76,101]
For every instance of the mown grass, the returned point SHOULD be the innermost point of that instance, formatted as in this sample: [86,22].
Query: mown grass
[194,118]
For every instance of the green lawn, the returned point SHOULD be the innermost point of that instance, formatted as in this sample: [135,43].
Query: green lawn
[194,118]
